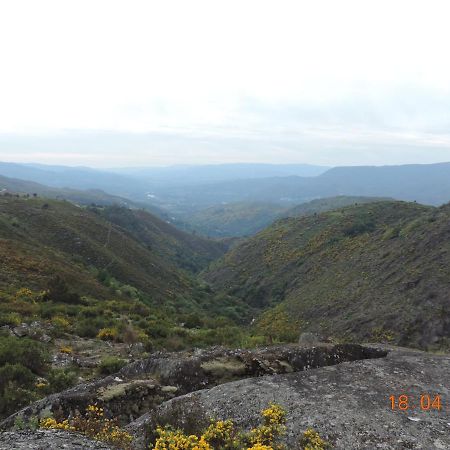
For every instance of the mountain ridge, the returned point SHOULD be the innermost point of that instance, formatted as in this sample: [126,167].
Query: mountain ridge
[347,273]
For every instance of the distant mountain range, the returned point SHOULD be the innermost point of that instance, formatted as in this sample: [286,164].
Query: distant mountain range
[427,184]
[213,173]
[184,192]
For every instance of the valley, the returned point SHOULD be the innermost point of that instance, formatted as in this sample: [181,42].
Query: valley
[99,293]
[224,225]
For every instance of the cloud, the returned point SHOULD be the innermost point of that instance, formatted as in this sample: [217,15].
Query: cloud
[140,82]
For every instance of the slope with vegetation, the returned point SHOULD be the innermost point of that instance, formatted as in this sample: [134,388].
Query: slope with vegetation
[234,219]
[320,205]
[15,186]
[378,271]
[48,237]
[247,218]
[71,275]
[102,252]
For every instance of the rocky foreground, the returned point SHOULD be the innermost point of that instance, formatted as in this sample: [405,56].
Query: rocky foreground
[340,391]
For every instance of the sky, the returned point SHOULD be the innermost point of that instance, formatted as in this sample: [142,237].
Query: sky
[124,83]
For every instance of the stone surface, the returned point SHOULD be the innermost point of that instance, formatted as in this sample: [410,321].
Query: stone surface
[35,330]
[308,339]
[22,330]
[347,403]
[141,386]
[47,440]
[341,391]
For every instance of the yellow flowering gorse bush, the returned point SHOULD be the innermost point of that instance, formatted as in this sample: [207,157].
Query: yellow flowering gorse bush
[53,424]
[223,435]
[312,441]
[94,425]
[108,334]
[274,419]
[176,440]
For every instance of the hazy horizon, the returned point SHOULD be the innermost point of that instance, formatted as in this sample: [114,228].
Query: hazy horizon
[212,164]
[109,84]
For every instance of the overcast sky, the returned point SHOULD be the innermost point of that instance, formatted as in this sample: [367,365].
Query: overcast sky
[110,83]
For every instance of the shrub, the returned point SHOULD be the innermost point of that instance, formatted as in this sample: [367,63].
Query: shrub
[15,373]
[21,360]
[158,330]
[110,365]
[94,425]
[193,321]
[129,334]
[359,227]
[391,233]
[86,328]
[24,351]
[108,334]
[16,388]
[61,324]
[58,291]
[12,319]
[223,435]
[60,380]
[311,440]
[66,349]
[24,294]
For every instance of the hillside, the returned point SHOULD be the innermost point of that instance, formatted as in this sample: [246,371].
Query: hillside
[41,237]
[247,218]
[320,205]
[184,250]
[73,178]
[84,197]
[352,273]
[234,219]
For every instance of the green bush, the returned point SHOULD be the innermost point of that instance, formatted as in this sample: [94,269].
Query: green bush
[359,227]
[60,379]
[58,291]
[15,373]
[21,361]
[193,320]
[90,327]
[28,353]
[16,388]
[12,319]
[110,365]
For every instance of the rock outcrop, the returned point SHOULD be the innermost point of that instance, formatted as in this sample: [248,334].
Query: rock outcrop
[47,440]
[346,403]
[141,386]
[342,391]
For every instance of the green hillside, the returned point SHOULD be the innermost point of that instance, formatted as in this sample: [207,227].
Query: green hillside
[183,250]
[84,197]
[89,247]
[234,219]
[320,205]
[376,271]
[248,218]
